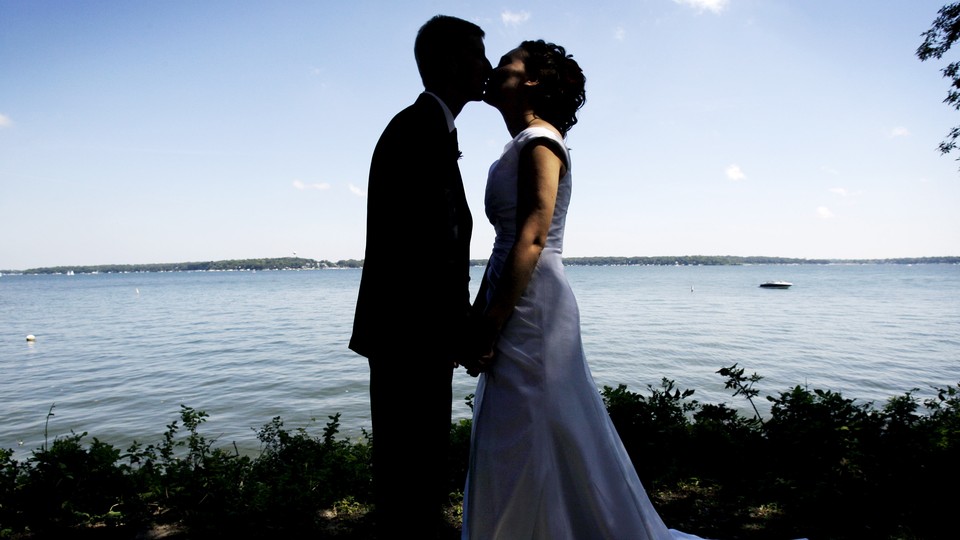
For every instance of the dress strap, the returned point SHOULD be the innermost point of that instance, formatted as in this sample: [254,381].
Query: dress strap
[533,133]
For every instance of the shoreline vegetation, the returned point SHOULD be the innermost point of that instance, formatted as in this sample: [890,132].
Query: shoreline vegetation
[819,465]
[300,263]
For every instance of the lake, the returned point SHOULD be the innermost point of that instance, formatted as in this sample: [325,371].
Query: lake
[119,353]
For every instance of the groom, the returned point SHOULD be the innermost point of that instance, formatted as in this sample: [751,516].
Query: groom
[414,297]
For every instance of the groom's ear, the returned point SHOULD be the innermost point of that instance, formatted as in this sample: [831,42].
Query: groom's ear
[453,66]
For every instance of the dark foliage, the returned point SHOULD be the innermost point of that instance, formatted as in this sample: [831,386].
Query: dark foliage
[936,42]
[820,466]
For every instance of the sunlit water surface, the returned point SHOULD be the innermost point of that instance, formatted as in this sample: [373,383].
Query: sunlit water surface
[119,353]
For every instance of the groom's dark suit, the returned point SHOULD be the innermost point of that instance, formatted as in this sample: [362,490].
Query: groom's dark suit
[412,308]
[414,292]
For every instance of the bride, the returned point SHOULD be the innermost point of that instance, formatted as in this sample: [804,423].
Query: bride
[545,460]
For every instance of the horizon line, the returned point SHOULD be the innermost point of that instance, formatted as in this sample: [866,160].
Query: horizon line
[951,258]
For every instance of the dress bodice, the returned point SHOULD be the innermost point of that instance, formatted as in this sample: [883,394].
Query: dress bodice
[500,200]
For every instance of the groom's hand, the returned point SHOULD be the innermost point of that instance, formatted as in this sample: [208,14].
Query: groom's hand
[472,366]
[479,363]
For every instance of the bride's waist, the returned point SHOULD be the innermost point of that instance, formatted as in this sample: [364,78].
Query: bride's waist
[502,249]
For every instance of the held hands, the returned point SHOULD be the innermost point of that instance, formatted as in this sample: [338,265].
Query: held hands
[476,366]
[479,353]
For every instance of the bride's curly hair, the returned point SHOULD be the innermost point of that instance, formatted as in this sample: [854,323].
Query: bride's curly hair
[561,89]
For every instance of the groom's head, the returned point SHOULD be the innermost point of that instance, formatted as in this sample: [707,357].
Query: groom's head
[451,58]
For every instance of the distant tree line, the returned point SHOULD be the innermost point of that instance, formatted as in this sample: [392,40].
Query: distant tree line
[686,260]
[727,260]
[282,263]
[300,263]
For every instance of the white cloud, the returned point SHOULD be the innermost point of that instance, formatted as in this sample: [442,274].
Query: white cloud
[301,186]
[735,173]
[840,191]
[899,132]
[715,6]
[619,33]
[824,213]
[5,121]
[357,191]
[514,18]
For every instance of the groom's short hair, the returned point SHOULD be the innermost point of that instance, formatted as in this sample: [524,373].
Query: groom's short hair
[439,39]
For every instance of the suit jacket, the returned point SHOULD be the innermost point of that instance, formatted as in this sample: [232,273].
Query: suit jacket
[414,290]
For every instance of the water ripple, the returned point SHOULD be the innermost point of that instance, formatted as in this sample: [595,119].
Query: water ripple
[119,354]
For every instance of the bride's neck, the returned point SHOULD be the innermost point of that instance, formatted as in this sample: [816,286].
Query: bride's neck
[520,121]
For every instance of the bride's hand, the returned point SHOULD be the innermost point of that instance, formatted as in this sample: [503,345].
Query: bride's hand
[475,368]
[478,361]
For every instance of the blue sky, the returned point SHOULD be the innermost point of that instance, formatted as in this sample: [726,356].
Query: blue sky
[142,132]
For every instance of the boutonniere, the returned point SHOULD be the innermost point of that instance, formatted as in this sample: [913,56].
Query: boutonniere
[459,155]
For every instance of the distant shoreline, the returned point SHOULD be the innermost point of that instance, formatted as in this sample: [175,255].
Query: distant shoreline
[299,263]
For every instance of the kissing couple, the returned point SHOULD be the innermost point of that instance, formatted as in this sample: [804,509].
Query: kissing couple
[545,460]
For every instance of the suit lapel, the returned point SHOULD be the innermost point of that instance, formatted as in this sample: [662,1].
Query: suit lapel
[460,222]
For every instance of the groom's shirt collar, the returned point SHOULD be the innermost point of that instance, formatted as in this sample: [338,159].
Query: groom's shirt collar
[446,110]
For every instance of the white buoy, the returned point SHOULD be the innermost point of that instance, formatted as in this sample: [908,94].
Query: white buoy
[31,337]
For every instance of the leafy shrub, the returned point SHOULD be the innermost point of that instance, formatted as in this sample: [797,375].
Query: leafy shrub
[297,475]
[820,465]
[653,428]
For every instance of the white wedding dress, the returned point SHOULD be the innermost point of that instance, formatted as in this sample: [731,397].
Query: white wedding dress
[545,461]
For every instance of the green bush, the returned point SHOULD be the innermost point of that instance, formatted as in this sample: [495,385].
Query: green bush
[820,466]
[653,428]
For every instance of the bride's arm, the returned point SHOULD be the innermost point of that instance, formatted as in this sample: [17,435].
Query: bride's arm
[539,175]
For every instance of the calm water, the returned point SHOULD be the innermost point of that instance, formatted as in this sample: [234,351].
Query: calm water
[119,353]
